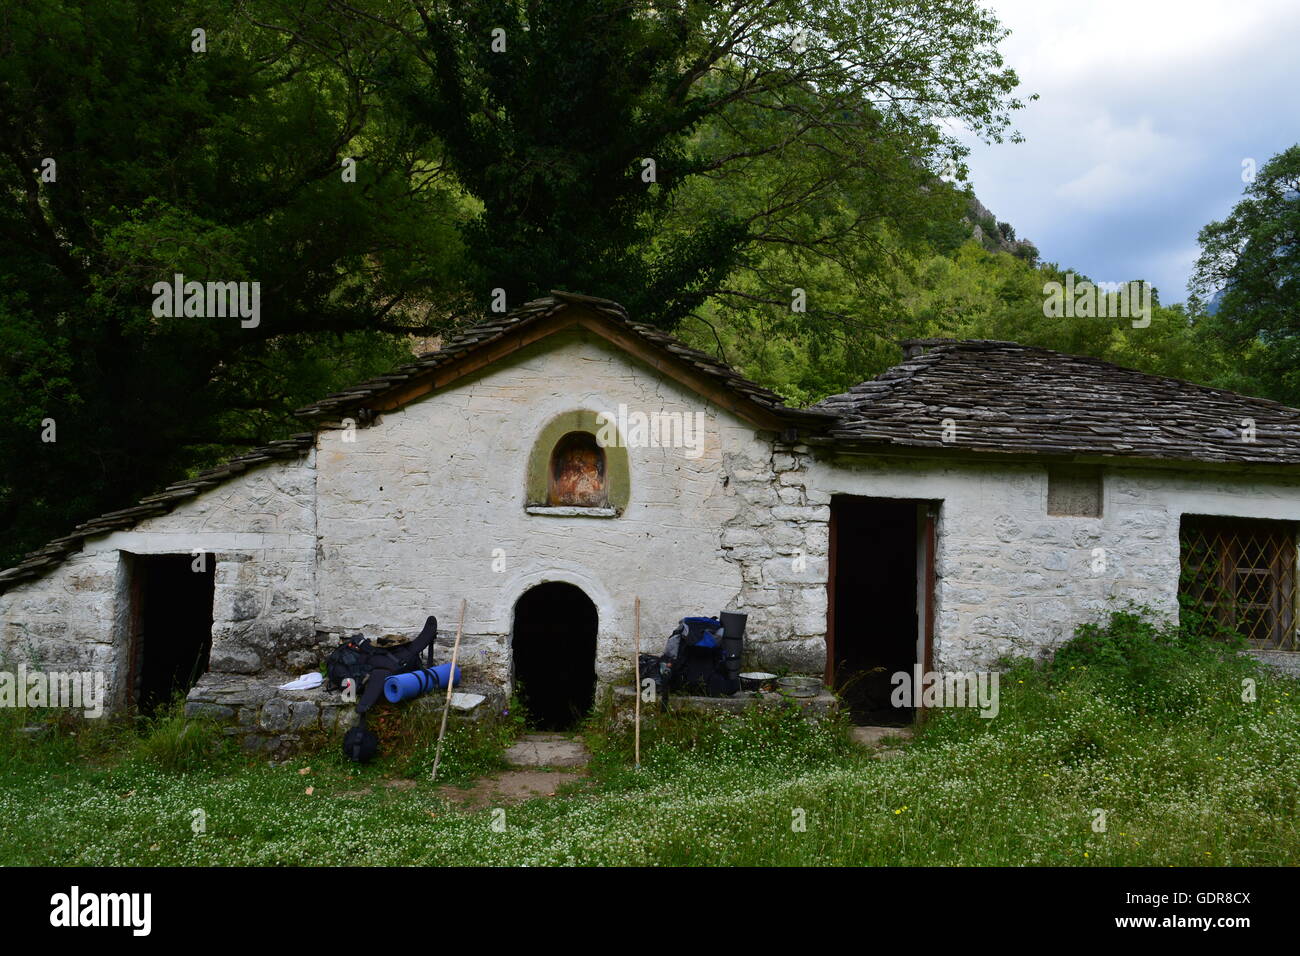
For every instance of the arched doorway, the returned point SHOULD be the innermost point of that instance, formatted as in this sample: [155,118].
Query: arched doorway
[554,647]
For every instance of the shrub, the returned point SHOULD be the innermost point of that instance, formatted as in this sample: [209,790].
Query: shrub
[1159,668]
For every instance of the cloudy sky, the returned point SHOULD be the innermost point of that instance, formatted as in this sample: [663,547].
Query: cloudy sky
[1147,109]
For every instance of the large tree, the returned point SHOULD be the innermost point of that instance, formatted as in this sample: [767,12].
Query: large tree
[131,149]
[590,132]
[1252,259]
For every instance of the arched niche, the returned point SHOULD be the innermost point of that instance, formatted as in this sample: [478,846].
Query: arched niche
[570,471]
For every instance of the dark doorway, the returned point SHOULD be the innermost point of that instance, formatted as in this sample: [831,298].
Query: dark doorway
[171,613]
[554,647]
[876,580]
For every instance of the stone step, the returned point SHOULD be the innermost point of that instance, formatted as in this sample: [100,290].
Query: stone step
[875,736]
[278,721]
[547,750]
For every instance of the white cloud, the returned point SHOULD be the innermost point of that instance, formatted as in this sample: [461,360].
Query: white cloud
[1147,109]
[1116,162]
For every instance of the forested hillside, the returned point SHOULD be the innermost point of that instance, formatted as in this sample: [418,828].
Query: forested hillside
[775,181]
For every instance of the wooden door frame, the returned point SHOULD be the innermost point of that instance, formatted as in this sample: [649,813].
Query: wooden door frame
[135,618]
[832,550]
[927,517]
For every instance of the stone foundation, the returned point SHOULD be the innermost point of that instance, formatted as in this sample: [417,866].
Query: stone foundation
[279,722]
[1285,662]
[821,705]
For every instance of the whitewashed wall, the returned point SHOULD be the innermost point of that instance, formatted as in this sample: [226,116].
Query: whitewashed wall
[1013,580]
[412,514]
[374,535]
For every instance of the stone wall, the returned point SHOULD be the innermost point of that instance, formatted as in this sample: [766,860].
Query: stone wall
[1013,580]
[779,537]
[1286,662]
[68,619]
[259,528]
[427,506]
[278,722]
[379,527]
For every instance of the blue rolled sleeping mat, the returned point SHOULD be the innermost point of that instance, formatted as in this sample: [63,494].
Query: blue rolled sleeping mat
[402,687]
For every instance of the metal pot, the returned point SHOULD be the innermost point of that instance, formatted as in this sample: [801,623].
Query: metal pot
[756,680]
[799,686]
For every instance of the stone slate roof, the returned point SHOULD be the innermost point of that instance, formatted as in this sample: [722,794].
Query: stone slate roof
[1003,397]
[1011,398]
[484,333]
[37,562]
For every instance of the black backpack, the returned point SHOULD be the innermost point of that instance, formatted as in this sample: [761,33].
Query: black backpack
[701,658]
[356,657]
[651,667]
[360,743]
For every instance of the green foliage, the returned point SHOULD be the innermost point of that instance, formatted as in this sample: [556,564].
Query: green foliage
[967,293]
[761,137]
[46,741]
[224,166]
[178,744]
[1253,258]
[53,741]
[1164,670]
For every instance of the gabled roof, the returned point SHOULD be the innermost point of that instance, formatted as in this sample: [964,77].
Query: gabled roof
[494,338]
[1008,398]
[475,347]
[1002,397]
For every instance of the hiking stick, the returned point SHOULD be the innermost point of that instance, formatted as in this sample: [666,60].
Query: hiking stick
[451,683]
[637,685]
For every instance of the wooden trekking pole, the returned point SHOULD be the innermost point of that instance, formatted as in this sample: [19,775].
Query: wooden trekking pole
[451,683]
[637,684]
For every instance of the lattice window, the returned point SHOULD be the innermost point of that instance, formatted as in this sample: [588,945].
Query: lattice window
[1242,573]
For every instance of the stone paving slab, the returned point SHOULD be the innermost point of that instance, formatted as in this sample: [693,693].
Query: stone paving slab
[547,750]
[510,786]
[820,705]
[875,736]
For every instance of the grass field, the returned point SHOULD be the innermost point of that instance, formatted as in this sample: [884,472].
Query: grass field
[1140,722]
